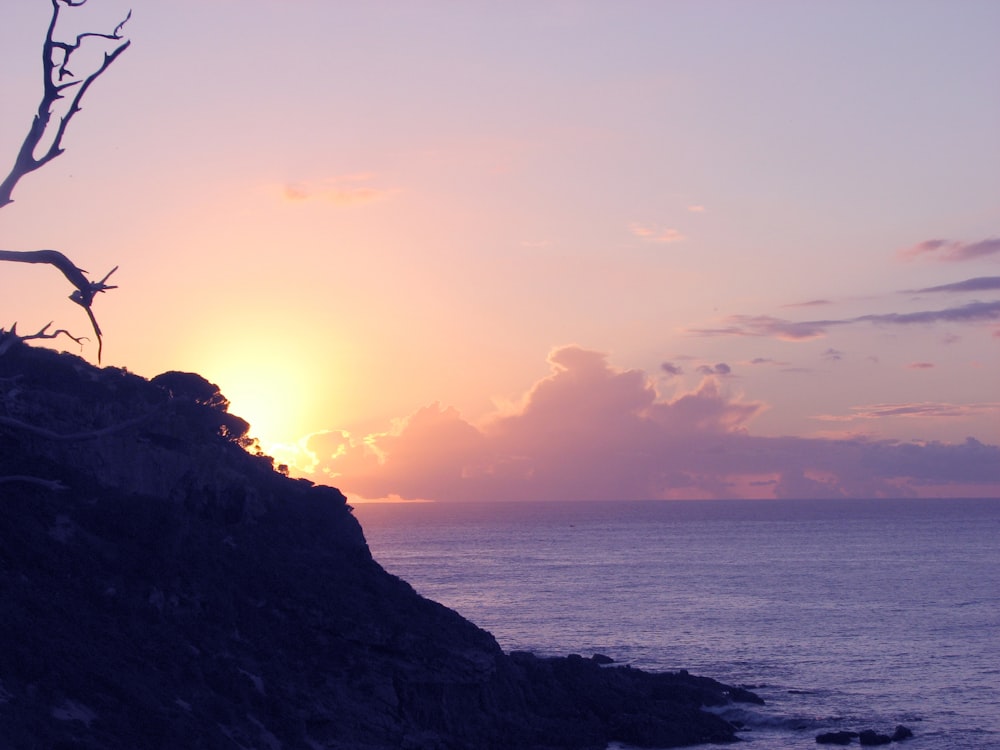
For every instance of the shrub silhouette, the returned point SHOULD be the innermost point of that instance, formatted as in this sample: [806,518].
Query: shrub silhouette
[202,403]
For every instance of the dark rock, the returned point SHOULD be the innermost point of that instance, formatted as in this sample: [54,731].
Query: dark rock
[182,593]
[602,659]
[901,733]
[870,737]
[836,738]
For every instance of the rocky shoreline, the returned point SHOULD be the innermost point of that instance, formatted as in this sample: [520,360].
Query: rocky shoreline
[162,587]
[866,737]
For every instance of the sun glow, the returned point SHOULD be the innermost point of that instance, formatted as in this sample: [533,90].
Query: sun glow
[269,398]
[276,388]
[295,457]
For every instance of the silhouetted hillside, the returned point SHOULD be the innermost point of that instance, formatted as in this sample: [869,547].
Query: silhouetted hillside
[161,587]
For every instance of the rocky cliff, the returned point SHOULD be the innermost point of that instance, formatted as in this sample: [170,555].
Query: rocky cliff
[163,587]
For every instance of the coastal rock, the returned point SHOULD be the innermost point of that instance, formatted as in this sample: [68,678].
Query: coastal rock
[868,737]
[180,593]
[871,738]
[901,733]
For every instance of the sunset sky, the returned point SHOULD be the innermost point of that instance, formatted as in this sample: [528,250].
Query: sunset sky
[543,249]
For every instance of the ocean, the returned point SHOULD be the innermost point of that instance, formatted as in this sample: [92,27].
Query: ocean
[841,614]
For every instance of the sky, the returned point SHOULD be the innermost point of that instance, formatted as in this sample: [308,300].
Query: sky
[542,250]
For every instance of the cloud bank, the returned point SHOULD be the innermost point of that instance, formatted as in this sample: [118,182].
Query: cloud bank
[590,431]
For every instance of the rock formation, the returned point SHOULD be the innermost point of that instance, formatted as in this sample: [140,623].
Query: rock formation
[866,737]
[163,587]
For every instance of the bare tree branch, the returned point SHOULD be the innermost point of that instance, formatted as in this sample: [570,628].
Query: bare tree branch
[50,484]
[72,436]
[58,80]
[85,288]
[42,432]
[56,57]
[9,338]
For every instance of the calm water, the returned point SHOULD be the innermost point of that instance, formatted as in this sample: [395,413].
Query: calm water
[842,614]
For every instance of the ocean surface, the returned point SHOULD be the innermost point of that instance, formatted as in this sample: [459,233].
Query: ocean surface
[840,614]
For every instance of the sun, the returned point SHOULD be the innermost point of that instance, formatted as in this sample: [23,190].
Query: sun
[277,394]
[269,399]
[280,374]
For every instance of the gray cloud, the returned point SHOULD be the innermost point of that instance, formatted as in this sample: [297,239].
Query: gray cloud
[973,312]
[922,409]
[719,369]
[671,369]
[978,284]
[766,325]
[790,330]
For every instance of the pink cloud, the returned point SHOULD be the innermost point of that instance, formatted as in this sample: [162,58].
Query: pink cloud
[655,234]
[951,250]
[810,303]
[920,366]
[344,190]
[768,326]
[589,430]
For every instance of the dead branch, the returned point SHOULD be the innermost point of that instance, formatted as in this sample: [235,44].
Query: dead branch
[58,79]
[42,432]
[44,333]
[86,289]
[49,484]
[9,338]
[73,436]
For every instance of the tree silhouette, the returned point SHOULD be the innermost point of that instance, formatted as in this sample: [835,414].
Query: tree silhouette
[44,142]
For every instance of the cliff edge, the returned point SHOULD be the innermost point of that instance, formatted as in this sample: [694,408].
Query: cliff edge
[162,587]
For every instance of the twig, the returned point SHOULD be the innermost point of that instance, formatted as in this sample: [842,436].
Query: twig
[71,436]
[51,484]
[7,337]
